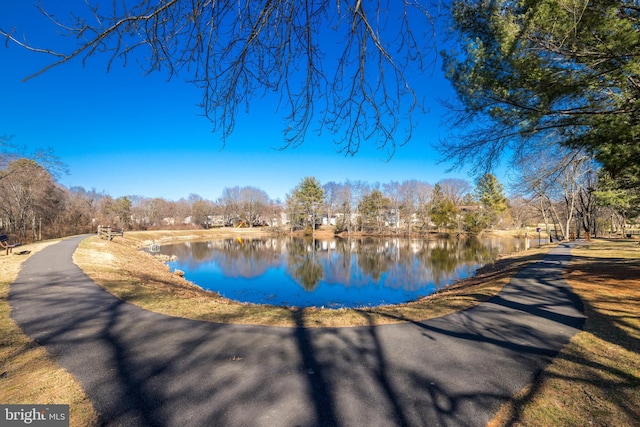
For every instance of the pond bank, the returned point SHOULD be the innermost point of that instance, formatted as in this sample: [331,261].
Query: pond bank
[138,277]
[332,272]
[330,231]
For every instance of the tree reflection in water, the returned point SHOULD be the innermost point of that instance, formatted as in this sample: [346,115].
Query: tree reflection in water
[334,272]
[302,263]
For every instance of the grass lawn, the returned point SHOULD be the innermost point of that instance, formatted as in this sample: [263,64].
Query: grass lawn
[28,375]
[594,381]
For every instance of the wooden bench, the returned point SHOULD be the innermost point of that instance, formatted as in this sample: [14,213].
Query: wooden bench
[109,233]
[4,241]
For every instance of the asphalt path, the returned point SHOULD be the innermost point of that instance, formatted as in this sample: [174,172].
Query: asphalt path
[146,369]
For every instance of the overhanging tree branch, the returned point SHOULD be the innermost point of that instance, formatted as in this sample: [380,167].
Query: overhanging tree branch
[235,51]
[552,70]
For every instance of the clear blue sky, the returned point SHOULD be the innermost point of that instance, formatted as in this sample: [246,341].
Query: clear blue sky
[126,133]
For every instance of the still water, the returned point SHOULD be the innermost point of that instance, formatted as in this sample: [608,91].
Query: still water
[333,273]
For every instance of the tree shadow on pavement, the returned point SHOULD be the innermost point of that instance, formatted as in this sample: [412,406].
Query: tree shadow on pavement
[147,369]
[595,378]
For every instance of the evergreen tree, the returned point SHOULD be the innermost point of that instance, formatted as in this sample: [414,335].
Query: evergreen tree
[308,196]
[373,209]
[489,193]
[547,72]
[623,201]
[443,210]
[122,210]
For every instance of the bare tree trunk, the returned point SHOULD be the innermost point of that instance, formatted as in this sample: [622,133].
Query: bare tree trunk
[556,220]
[545,218]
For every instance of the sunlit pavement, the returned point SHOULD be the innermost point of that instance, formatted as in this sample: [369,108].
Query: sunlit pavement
[141,368]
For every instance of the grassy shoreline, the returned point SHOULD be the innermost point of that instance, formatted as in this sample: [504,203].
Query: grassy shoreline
[595,380]
[137,277]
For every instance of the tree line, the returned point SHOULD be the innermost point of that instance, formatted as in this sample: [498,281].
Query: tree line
[571,197]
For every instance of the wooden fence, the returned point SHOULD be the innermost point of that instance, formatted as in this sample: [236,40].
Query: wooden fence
[108,232]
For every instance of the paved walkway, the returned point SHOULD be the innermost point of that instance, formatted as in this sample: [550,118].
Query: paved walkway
[146,369]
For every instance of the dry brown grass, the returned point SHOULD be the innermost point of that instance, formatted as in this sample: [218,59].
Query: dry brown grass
[28,375]
[137,277]
[595,380]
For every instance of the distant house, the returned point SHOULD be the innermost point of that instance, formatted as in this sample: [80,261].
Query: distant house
[216,220]
[326,220]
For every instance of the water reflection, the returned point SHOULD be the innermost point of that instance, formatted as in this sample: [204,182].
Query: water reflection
[332,273]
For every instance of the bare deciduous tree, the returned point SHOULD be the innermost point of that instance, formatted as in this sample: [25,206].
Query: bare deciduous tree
[556,181]
[455,189]
[29,196]
[247,204]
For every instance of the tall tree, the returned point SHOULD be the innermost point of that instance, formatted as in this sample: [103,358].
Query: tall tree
[121,208]
[248,204]
[79,211]
[546,72]
[455,189]
[558,181]
[10,152]
[490,193]
[308,195]
[154,210]
[331,195]
[29,197]
[406,199]
[624,203]
[443,210]
[254,202]
[392,192]
[201,210]
[293,211]
[231,204]
[373,209]
[345,201]
[349,61]
[424,193]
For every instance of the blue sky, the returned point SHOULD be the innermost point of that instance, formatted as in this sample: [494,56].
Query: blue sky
[126,133]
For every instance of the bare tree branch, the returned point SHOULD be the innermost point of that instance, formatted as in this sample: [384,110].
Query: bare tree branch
[237,50]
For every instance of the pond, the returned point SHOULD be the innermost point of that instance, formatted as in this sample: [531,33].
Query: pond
[332,273]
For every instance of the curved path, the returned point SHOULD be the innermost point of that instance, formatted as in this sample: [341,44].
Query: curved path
[146,369]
